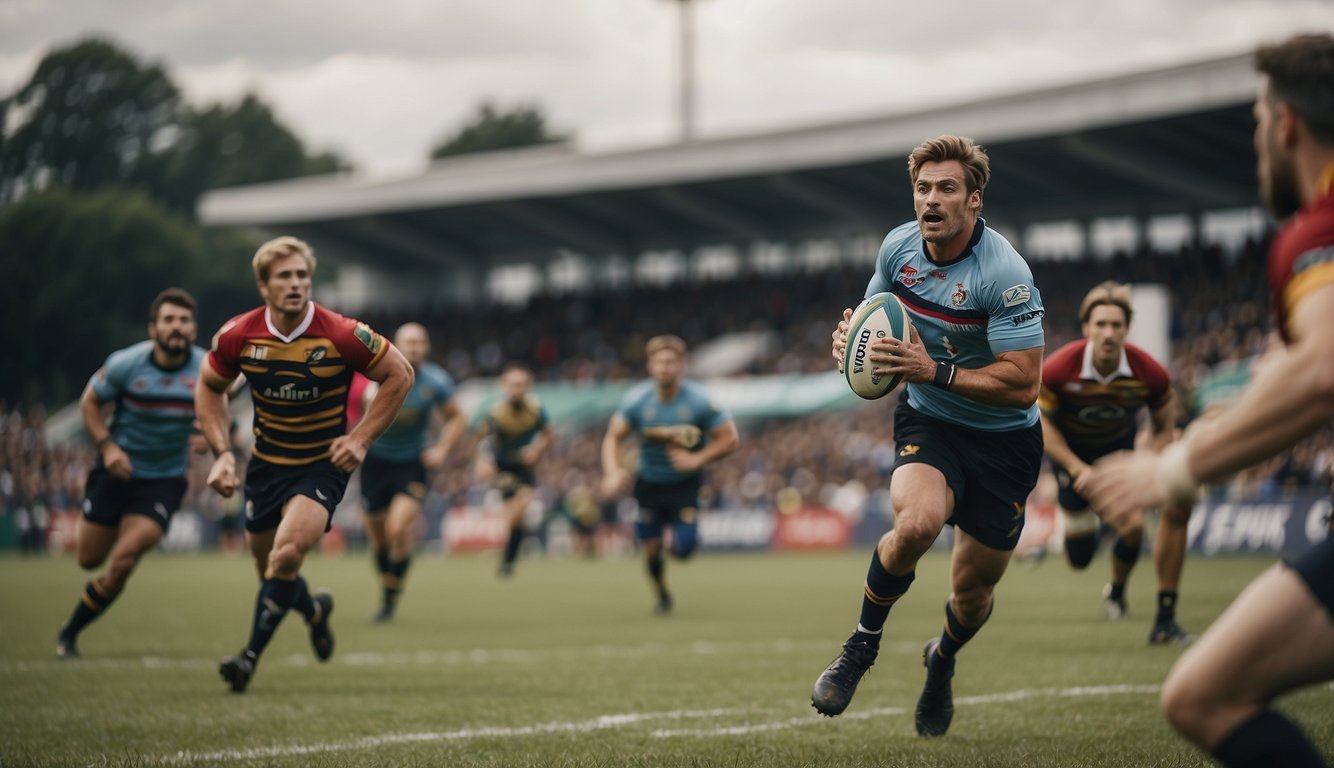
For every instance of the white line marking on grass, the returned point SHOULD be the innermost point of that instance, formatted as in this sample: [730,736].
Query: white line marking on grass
[466,657]
[601,723]
[988,698]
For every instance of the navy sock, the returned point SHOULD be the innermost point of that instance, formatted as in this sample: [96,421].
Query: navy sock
[656,567]
[956,634]
[881,591]
[1126,552]
[393,580]
[92,605]
[382,561]
[302,601]
[1267,739]
[1167,606]
[275,598]
[512,545]
[1079,550]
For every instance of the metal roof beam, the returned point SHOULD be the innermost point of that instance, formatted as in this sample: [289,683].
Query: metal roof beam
[724,218]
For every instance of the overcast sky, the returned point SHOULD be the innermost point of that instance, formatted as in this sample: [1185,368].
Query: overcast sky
[381,81]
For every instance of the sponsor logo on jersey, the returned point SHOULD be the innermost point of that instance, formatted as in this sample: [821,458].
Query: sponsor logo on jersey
[910,450]
[290,393]
[959,296]
[316,354]
[256,352]
[1025,317]
[939,274]
[1016,295]
[961,328]
[950,349]
[909,277]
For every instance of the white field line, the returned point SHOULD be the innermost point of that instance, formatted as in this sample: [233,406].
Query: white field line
[989,698]
[450,658]
[606,722]
[370,742]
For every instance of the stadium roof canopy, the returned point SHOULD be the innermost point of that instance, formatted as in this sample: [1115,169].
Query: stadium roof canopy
[1171,140]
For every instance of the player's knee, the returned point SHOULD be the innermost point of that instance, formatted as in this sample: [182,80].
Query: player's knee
[1080,551]
[1183,706]
[90,560]
[913,533]
[285,561]
[686,542]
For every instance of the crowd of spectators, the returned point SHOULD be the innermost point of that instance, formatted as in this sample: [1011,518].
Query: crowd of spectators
[838,460]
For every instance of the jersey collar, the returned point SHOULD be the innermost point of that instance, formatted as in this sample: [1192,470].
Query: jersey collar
[1089,371]
[300,329]
[973,240]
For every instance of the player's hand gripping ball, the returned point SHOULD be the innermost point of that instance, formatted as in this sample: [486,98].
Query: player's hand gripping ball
[877,317]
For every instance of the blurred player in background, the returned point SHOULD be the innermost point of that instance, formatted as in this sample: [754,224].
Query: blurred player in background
[680,432]
[139,478]
[1092,393]
[1279,633]
[298,358]
[966,431]
[393,476]
[519,433]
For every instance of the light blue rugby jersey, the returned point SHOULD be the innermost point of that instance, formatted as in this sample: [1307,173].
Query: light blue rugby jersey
[406,436]
[155,408]
[966,312]
[642,409]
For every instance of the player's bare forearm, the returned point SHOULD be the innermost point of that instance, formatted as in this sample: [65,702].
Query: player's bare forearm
[394,376]
[453,430]
[1164,425]
[1290,398]
[211,409]
[723,439]
[1012,381]
[611,444]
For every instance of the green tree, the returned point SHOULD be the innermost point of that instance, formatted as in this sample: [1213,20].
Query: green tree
[78,271]
[492,129]
[90,116]
[225,146]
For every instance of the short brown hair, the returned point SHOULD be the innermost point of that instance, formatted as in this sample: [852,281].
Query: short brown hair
[973,158]
[281,248]
[1300,71]
[175,296]
[665,341]
[1107,292]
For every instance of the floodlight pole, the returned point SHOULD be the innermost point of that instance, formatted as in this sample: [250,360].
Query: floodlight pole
[687,75]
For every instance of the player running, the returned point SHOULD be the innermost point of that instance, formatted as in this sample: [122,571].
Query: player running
[1093,391]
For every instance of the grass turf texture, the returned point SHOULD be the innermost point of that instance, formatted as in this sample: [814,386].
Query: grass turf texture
[565,665]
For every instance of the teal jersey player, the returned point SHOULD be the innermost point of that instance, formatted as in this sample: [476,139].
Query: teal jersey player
[686,419]
[680,433]
[407,436]
[967,311]
[155,407]
[139,478]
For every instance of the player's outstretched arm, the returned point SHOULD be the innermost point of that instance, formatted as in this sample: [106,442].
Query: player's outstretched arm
[215,420]
[1058,450]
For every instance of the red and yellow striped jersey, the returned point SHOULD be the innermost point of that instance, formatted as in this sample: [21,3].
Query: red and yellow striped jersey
[299,383]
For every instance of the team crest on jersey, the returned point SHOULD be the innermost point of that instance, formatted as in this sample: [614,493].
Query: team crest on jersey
[373,341]
[909,277]
[910,450]
[316,354]
[959,296]
[939,274]
[1016,295]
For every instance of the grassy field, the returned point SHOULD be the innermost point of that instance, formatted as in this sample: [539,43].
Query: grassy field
[565,665]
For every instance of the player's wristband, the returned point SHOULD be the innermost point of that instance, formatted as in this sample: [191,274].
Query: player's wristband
[1174,479]
[944,375]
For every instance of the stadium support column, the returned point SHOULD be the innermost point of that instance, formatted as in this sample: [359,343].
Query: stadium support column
[687,65]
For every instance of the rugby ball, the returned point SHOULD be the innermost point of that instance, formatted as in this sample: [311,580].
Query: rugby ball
[878,316]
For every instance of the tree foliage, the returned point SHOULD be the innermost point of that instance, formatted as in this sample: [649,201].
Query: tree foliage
[77,276]
[90,116]
[492,129]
